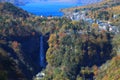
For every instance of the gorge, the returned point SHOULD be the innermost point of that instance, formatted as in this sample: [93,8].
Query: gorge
[61,48]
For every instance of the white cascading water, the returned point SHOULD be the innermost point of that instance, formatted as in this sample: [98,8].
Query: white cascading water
[42,53]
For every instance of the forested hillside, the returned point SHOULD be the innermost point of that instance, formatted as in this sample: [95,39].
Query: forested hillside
[15,59]
[77,50]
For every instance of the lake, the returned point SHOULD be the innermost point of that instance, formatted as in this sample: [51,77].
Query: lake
[48,8]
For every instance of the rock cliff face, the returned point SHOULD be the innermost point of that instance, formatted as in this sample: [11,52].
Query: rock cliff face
[22,53]
[19,45]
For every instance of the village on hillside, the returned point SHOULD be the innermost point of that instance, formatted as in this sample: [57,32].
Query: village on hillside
[100,24]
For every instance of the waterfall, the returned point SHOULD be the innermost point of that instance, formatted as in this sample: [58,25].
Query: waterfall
[42,53]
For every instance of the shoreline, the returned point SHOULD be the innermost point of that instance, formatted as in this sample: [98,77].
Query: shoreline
[61,10]
[82,6]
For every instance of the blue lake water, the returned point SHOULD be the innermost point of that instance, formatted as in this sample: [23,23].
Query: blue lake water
[48,8]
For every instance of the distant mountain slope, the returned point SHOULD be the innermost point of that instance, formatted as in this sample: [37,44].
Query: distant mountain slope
[23,2]
[101,3]
[16,2]
[90,1]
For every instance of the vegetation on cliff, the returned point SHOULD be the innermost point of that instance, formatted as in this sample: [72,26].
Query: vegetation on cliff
[77,50]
